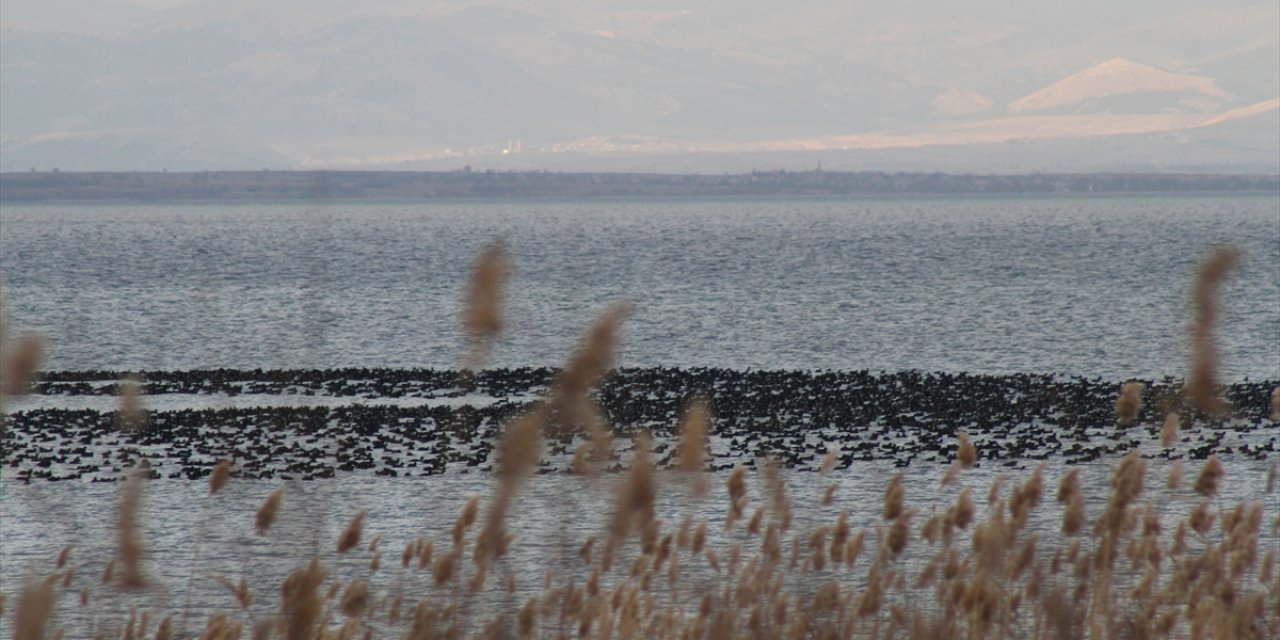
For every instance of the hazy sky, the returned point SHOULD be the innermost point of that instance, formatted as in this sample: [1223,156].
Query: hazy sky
[717,85]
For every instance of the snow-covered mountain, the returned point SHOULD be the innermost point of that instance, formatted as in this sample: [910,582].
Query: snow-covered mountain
[216,84]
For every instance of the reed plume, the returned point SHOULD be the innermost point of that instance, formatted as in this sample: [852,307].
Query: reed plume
[634,508]
[267,512]
[482,314]
[694,427]
[1169,430]
[218,478]
[517,454]
[132,416]
[1207,483]
[966,453]
[35,608]
[571,405]
[893,495]
[736,483]
[350,537]
[63,556]
[1202,380]
[301,606]
[355,599]
[1130,402]
[240,590]
[829,461]
[19,365]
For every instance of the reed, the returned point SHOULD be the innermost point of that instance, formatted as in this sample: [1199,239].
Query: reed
[482,312]
[1202,379]
[220,475]
[266,515]
[1130,402]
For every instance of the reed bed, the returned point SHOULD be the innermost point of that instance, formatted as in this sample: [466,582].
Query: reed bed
[1022,557]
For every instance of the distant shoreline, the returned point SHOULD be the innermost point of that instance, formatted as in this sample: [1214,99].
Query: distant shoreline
[414,186]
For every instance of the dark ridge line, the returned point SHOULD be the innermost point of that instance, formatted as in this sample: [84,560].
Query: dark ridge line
[333,185]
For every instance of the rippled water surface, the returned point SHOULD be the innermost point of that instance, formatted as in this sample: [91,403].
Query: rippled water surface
[1092,287]
[1076,286]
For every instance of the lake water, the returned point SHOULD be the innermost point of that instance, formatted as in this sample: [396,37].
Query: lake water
[1090,287]
[1075,286]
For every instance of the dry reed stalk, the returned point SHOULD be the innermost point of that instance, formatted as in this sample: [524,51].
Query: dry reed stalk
[1068,486]
[425,551]
[301,605]
[1026,497]
[1130,402]
[527,618]
[129,545]
[1207,483]
[966,453]
[953,472]
[829,496]
[899,534]
[694,427]
[63,556]
[570,402]
[19,366]
[442,568]
[482,314]
[1169,430]
[350,537]
[1175,475]
[753,525]
[1202,380]
[779,503]
[466,518]
[165,630]
[132,416]
[218,478]
[410,552]
[1275,405]
[241,591]
[517,454]
[893,496]
[634,507]
[266,515]
[736,483]
[35,608]
[355,599]
[1201,518]
[961,515]
[829,461]
[581,464]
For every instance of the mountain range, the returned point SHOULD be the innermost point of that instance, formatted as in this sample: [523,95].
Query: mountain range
[988,85]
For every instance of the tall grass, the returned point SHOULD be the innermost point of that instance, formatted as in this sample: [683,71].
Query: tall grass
[1124,571]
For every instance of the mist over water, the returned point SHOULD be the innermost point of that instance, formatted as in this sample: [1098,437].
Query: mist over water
[1073,286]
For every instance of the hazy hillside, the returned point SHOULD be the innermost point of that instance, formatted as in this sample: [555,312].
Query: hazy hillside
[219,84]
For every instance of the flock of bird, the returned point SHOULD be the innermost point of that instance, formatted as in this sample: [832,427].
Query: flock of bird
[796,417]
